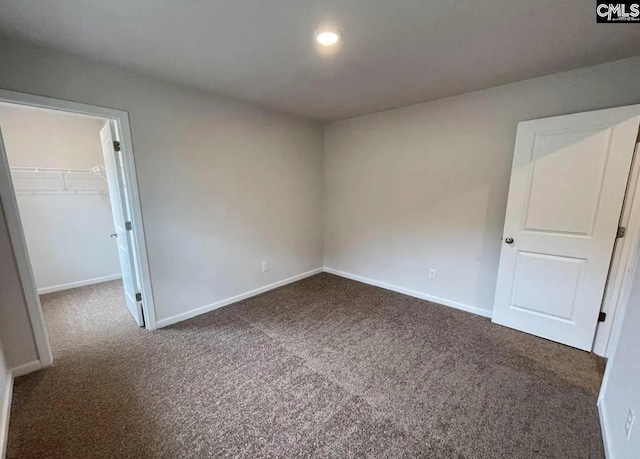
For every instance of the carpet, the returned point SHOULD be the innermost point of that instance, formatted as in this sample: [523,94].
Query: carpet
[324,367]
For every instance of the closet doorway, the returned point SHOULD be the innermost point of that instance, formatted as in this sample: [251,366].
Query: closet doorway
[69,194]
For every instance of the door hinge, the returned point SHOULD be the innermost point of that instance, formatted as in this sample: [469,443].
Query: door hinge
[622,231]
[128,226]
[602,317]
[138,296]
[116,145]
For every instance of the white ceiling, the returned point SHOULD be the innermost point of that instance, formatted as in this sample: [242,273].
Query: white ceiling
[394,52]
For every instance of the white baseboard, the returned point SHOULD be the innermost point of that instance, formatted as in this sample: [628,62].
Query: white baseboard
[82,283]
[604,427]
[26,368]
[234,299]
[406,291]
[5,411]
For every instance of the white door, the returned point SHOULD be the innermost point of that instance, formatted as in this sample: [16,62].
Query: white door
[121,219]
[567,188]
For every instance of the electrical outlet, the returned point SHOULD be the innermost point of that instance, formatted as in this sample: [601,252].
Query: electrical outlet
[629,424]
[265,266]
[432,274]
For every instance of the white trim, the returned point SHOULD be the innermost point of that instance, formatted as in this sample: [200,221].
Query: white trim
[623,260]
[26,368]
[604,423]
[7,194]
[82,283]
[234,299]
[414,293]
[5,412]
[22,261]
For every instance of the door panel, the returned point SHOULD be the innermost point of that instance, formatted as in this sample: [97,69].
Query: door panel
[121,215]
[567,187]
[555,157]
[561,277]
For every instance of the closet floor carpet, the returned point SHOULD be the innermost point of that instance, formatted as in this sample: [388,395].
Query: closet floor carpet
[325,367]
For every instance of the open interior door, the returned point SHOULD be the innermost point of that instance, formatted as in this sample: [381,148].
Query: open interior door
[122,220]
[567,188]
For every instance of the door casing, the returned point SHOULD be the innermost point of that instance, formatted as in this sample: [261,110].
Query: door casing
[9,203]
[622,264]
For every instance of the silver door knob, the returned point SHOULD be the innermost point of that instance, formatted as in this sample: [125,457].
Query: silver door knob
[113,235]
[509,240]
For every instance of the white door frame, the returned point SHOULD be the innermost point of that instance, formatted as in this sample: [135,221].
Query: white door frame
[624,258]
[629,261]
[9,202]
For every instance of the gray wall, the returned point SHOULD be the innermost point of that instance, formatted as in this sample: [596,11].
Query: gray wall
[426,186]
[223,185]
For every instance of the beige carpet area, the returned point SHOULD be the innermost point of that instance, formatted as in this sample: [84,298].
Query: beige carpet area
[325,367]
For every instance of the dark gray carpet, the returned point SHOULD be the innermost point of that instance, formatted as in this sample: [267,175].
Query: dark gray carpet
[326,367]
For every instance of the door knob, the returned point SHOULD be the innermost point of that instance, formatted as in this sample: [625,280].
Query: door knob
[509,240]
[113,235]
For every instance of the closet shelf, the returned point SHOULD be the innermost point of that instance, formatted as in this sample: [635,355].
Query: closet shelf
[41,180]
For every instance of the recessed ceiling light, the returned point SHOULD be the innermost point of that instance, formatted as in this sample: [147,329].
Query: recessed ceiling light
[328,37]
